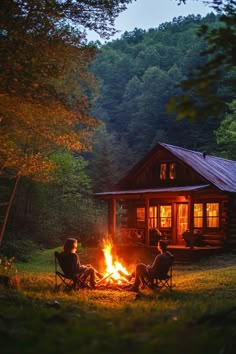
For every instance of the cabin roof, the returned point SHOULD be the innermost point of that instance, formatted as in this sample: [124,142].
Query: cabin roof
[156,190]
[219,172]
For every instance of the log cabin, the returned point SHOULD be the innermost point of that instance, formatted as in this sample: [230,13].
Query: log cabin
[187,197]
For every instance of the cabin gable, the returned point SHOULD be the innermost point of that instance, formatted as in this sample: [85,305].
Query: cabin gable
[162,169]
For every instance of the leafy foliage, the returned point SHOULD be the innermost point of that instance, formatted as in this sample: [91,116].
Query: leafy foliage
[45,214]
[46,87]
[20,250]
[7,266]
[138,75]
[44,58]
[201,83]
[109,160]
[37,62]
[226,133]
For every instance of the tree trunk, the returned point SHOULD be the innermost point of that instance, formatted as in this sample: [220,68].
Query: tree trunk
[8,208]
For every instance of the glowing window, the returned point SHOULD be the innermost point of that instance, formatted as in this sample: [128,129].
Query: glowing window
[152,217]
[163,171]
[140,216]
[168,171]
[172,171]
[198,215]
[212,215]
[165,216]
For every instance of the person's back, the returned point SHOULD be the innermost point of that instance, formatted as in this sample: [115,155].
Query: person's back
[164,264]
[68,263]
[159,268]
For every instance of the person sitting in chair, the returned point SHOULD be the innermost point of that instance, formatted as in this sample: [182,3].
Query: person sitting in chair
[155,236]
[73,267]
[158,269]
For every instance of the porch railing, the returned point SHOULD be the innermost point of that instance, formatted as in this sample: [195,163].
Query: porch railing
[132,235]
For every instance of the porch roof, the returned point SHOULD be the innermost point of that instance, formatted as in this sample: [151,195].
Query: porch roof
[155,190]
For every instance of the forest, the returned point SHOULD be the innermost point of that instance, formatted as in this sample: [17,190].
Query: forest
[138,75]
[136,81]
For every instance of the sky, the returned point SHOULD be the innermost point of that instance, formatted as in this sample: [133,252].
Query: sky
[146,14]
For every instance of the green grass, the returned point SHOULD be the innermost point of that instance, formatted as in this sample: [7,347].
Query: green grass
[198,316]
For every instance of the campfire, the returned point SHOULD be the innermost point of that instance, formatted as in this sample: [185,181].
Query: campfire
[115,274]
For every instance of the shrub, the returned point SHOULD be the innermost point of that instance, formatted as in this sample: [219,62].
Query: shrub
[21,250]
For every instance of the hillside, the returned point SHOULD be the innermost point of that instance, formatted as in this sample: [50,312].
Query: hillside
[138,75]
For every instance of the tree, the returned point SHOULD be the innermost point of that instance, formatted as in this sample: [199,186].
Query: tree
[103,163]
[226,133]
[201,98]
[136,110]
[44,58]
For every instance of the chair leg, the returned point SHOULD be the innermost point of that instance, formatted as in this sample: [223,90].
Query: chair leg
[159,284]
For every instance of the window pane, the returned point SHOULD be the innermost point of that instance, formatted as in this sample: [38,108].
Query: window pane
[182,219]
[140,217]
[212,214]
[152,217]
[172,171]
[165,215]
[198,215]
[163,170]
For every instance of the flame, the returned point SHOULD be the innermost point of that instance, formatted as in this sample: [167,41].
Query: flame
[113,268]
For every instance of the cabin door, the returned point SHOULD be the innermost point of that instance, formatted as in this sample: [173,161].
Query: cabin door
[182,221]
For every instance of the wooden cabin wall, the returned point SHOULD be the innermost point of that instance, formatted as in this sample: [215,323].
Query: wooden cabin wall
[231,239]
[149,175]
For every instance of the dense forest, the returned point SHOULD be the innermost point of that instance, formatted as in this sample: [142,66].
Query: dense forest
[138,75]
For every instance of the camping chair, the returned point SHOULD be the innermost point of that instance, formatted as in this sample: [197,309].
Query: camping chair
[161,280]
[62,279]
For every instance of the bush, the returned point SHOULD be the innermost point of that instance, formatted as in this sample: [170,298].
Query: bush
[21,250]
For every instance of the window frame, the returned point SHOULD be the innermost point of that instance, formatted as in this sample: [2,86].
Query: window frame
[167,171]
[205,217]
[214,217]
[140,221]
[153,220]
[167,217]
[201,217]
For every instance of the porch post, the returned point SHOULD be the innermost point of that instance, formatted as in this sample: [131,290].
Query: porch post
[191,215]
[147,235]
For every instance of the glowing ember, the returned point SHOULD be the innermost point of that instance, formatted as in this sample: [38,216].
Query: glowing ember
[115,271]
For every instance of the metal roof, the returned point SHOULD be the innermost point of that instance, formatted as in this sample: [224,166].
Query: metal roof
[220,172]
[156,190]
[216,171]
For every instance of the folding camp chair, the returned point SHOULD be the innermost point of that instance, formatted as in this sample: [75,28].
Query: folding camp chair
[65,281]
[161,280]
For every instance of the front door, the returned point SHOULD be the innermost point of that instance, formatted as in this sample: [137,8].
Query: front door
[182,221]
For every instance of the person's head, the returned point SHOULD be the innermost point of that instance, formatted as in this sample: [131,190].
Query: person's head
[70,245]
[162,246]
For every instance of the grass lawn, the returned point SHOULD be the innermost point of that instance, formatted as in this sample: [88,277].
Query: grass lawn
[198,316]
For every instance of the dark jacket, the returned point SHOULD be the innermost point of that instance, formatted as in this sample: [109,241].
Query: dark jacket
[161,265]
[70,264]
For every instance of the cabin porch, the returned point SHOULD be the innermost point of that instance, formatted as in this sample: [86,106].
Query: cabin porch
[133,254]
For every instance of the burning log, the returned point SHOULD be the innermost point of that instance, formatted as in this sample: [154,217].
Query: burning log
[113,286]
[104,278]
